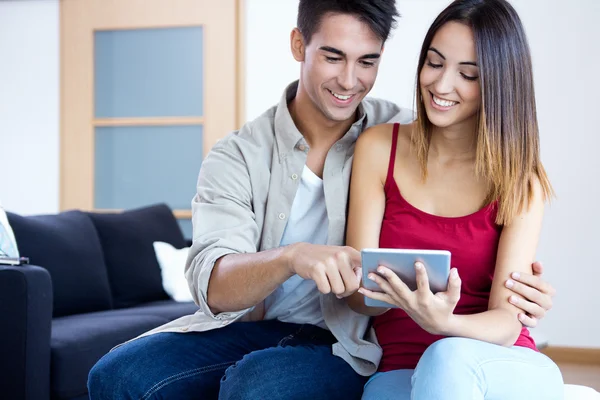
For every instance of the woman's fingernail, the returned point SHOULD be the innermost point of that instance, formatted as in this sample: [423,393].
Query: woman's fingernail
[521,317]
[419,265]
[514,299]
[516,275]
[361,291]
[381,270]
[509,283]
[372,277]
[454,273]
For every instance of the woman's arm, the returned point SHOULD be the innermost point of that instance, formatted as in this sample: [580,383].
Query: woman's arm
[367,199]
[516,252]
[499,324]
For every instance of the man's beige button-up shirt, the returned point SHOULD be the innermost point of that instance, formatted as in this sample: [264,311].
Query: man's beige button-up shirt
[245,192]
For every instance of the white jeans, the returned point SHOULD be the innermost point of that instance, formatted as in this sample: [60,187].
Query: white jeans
[465,369]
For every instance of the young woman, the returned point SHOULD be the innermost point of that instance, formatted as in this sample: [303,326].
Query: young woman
[466,177]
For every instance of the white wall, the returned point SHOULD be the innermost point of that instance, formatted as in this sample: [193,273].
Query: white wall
[29,106]
[566,73]
[564,45]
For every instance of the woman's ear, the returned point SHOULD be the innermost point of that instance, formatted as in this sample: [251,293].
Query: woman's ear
[297,45]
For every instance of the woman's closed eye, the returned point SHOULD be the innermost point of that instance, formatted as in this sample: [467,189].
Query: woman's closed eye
[469,77]
[432,65]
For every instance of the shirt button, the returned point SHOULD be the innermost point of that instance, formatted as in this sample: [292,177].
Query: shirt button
[282,216]
[294,176]
[301,147]
[184,329]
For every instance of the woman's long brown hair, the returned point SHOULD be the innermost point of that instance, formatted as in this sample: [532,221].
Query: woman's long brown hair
[508,150]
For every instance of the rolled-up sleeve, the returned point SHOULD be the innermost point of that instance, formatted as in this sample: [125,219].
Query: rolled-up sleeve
[222,217]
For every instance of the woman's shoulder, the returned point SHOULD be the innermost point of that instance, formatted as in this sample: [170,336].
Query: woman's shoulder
[379,138]
[375,138]
[405,135]
[373,146]
[384,133]
[376,132]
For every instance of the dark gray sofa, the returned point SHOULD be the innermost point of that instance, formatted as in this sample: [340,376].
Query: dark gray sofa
[93,282]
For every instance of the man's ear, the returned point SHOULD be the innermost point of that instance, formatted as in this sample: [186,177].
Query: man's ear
[297,45]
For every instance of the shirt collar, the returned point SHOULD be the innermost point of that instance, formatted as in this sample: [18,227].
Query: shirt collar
[287,134]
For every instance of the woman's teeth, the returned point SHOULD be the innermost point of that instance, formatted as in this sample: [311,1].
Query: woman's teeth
[444,103]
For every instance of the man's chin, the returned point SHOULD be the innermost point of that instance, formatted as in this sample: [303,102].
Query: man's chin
[339,116]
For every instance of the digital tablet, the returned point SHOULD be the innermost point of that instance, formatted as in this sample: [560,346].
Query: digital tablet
[402,262]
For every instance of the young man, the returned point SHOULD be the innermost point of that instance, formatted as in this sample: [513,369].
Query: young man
[269,224]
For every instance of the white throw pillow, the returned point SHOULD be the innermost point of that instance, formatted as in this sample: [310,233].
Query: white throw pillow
[172,266]
[8,244]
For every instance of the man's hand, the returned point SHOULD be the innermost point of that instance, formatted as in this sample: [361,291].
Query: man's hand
[537,295]
[334,269]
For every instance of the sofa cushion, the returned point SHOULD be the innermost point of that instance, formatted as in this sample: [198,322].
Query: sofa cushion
[168,309]
[126,239]
[67,245]
[79,341]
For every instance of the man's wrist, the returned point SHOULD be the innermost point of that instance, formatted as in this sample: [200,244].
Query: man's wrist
[287,258]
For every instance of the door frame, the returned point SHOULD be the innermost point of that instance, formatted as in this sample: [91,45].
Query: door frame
[77,120]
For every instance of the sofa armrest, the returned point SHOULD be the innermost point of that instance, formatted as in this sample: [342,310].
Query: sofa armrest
[25,324]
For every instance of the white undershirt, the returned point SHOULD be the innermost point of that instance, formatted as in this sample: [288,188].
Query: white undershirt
[297,300]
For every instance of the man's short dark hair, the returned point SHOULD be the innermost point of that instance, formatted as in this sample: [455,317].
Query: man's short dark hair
[380,15]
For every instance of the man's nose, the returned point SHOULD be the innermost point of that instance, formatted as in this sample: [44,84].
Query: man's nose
[347,80]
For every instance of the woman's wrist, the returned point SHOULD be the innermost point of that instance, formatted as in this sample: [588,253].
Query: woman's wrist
[450,327]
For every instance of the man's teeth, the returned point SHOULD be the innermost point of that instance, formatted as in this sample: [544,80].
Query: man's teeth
[443,103]
[339,96]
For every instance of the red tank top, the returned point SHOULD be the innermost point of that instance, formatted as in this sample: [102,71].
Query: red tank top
[472,240]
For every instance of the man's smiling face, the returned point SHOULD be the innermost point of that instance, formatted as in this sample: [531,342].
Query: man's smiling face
[340,65]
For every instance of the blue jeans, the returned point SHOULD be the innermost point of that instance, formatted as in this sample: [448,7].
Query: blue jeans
[245,360]
[459,368]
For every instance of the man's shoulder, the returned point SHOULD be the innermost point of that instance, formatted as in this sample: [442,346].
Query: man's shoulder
[257,132]
[249,148]
[380,111]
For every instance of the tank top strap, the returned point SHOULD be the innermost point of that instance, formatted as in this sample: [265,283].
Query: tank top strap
[390,174]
